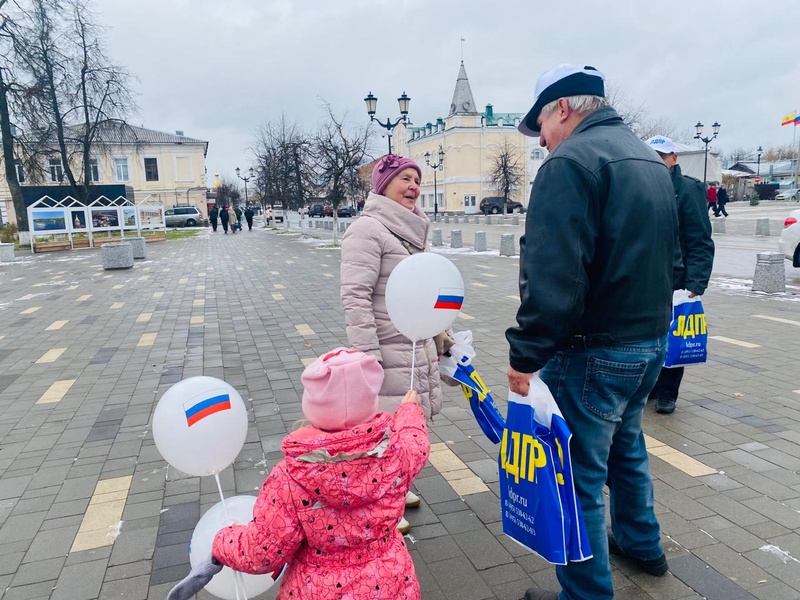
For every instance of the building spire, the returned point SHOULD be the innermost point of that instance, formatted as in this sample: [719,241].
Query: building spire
[463,103]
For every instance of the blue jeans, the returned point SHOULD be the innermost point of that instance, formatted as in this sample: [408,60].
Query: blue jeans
[601,392]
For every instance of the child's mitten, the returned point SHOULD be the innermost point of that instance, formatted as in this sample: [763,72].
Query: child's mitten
[196,580]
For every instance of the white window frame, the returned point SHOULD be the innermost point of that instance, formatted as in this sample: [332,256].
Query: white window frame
[191,167]
[56,169]
[121,162]
[94,168]
[20,169]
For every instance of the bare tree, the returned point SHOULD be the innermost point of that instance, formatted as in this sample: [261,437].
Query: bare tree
[285,171]
[506,170]
[778,153]
[227,193]
[644,125]
[338,151]
[79,98]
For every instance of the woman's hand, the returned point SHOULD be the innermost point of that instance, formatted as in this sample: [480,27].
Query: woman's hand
[411,396]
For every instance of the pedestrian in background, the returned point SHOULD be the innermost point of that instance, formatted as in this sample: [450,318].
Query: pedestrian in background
[697,255]
[248,215]
[213,216]
[711,199]
[392,227]
[239,216]
[225,217]
[596,279]
[722,200]
[329,509]
[233,219]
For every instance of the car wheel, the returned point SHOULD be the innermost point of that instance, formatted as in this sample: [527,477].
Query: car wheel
[191,222]
[796,260]
[495,210]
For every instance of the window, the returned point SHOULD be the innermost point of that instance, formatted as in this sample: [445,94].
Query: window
[56,170]
[20,171]
[537,154]
[150,169]
[183,168]
[121,169]
[95,169]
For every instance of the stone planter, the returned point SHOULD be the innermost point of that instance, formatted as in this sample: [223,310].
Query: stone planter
[138,244]
[117,256]
[6,253]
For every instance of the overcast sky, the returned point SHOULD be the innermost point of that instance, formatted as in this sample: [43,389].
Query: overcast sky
[217,69]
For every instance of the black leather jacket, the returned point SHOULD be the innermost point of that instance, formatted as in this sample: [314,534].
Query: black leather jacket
[599,253]
[697,247]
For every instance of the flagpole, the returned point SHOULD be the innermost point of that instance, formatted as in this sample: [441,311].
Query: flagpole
[794,148]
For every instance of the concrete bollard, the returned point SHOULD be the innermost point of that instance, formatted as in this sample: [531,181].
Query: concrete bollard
[507,247]
[446,218]
[466,219]
[515,220]
[437,237]
[770,275]
[501,220]
[480,241]
[455,239]
[762,226]
[139,246]
[717,225]
[6,253]
[117,255]
[488,219]
[456,219]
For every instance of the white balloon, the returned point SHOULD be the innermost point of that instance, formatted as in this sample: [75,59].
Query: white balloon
[223,584]
[423,295]
[200,425]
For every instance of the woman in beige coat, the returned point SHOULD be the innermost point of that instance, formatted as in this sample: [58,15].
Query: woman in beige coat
[391,227]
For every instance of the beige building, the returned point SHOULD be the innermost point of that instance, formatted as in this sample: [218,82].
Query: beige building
[471,140]
[168,167]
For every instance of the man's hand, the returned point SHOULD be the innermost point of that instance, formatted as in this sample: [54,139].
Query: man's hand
[692,294]
[519,383]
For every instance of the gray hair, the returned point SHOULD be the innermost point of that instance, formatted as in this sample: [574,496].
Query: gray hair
[580,104]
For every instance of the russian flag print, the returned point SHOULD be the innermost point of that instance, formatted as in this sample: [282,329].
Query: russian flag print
[197,411]
[449,298]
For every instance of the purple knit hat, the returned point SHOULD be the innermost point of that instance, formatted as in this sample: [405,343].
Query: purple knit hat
[387,168]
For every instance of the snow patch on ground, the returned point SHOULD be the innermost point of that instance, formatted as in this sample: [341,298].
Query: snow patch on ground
[784,556]
[744,287]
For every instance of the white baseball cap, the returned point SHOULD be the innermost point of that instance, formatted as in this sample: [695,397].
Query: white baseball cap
[561,81]
[661,144]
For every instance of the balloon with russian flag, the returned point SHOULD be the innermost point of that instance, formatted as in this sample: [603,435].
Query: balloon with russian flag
[424,294]
[200,425]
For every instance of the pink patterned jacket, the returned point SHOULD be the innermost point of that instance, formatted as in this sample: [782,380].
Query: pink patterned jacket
[330,509]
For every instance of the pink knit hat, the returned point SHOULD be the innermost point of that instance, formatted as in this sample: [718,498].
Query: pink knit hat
[341,389]
[387,168]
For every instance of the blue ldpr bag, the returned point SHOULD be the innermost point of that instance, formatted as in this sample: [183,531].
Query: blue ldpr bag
[539,506]
[687,341]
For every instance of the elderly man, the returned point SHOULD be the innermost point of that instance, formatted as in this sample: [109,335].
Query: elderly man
[697,252]
[596,280]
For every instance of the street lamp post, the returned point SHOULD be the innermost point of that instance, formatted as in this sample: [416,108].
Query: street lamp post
[372,103]
[245,179]
[438,166]
[758,164]
[706,140]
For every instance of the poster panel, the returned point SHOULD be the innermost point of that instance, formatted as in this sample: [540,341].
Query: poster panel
[77,219]
[105,218]
[49,220]
[151,217]
[129,217]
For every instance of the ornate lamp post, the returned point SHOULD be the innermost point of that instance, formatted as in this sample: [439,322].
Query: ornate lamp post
[438,166]
[245,179]
[760,151]
[372,103]
[706,140]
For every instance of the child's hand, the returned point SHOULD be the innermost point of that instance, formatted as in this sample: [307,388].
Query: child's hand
[196,580]
[411,396]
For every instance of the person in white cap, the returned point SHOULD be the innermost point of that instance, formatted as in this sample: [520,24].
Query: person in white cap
[596,281]
[697,255]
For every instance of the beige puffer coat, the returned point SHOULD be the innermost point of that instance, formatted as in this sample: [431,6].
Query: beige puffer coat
[384,234]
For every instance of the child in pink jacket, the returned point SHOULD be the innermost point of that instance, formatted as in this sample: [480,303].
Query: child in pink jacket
[330,509]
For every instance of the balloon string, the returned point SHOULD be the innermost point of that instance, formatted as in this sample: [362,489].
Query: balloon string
[237,575]
[413,362]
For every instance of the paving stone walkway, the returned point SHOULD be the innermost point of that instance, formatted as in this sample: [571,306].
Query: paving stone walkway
[88,509]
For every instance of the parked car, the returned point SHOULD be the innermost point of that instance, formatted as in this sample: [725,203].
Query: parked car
[183,216]
[789,242]
[316,210]
[495,205]
[788,194]
[277,213]
[346,212]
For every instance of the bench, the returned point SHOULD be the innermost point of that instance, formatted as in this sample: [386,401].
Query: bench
[51,246]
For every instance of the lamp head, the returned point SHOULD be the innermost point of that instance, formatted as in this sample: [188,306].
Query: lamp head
[698,129]
[404,101]
[715,127]
[372,104]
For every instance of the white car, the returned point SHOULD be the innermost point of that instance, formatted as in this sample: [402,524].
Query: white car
[788,194]
[789,242]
